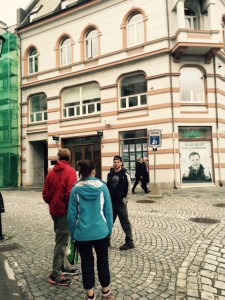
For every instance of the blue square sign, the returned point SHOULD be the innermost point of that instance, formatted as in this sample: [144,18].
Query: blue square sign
[155,138]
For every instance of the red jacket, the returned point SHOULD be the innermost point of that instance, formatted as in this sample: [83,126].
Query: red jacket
[57,188]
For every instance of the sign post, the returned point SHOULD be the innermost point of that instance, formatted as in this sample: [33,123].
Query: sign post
[155,141]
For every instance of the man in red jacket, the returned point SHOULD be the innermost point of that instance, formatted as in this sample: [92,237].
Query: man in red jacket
[56,193]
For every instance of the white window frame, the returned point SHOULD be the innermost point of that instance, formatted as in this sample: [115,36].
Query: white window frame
[135,30]
[38,116]
[91,44]
[193,94]
[65,52]
[33,61]
[141,99]
[82,107]
[191,21]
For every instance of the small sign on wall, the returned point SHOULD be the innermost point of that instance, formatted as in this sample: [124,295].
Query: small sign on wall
[155,138]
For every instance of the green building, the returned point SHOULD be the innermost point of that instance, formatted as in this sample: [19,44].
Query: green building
[9,112]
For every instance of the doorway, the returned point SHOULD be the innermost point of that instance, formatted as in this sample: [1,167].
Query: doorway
[85,148]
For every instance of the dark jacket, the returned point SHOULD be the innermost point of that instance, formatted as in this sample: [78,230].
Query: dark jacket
[118,184]
[57,188]
[197,175]
[139,169]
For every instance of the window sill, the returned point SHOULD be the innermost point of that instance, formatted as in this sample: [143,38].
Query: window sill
[80,117]
[193,104]
[91,62]
[37,123]
[135,49]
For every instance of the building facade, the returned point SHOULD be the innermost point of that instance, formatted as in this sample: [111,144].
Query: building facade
[9,112]
[101,77]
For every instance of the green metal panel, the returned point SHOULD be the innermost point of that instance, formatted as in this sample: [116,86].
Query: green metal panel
[9,111]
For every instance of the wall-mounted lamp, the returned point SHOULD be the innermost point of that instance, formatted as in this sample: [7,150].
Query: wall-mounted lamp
[100,133]
[219,66]
[55,138]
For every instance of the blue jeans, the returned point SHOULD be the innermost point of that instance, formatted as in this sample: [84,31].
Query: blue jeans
[87,262]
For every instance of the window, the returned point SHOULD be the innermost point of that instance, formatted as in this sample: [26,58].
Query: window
[191,21]
[191,85]
[133,144]
[91,41]
[81,100]
[38,108]
[34,13]
[64,3]
[33,61]
[66,52]
[135,30]
[133,91]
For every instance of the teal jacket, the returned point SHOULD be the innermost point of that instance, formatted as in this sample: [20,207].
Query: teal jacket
[90,214]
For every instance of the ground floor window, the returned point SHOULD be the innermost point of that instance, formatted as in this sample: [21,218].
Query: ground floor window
[133,144]
[195,154]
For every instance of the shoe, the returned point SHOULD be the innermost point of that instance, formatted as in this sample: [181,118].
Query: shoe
[109,242]
[133,192]
[86,298]
[59,280]
[108,296]
[72,272]
[126,246]
[147,192]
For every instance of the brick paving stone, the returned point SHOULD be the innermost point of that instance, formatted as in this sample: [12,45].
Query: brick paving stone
[173,257]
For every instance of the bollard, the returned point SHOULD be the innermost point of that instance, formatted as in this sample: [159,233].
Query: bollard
[2,210]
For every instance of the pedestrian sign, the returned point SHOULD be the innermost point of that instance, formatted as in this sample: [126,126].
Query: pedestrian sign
[155,138]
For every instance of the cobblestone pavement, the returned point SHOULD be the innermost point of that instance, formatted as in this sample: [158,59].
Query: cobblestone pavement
[173,258]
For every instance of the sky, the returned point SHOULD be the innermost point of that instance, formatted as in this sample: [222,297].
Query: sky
[9,8]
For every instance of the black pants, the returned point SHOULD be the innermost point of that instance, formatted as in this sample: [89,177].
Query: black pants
[143,184]
[120,210]
[87,262]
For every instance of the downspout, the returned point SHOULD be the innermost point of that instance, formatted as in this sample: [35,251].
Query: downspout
[217,120]
[171,98]
[20,104]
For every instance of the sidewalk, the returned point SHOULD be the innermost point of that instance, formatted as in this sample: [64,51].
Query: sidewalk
[173,258]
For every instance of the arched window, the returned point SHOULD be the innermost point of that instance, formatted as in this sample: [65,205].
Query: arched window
[81,100]
[133,91]
[192,85]
[65,52]
[33,61]
[191,20]
[135,30]
[38,108]
[92,44]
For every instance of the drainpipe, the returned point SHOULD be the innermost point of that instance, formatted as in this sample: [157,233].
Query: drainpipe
[217,120]
[171,98]
[20,55]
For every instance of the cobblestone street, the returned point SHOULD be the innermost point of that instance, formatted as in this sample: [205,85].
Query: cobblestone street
[174,257]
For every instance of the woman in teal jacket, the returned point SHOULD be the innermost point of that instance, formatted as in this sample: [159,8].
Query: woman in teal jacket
[90,221]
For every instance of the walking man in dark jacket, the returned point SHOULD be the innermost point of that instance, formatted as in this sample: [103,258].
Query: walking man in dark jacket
[56,193]
[140,175]
[118,183]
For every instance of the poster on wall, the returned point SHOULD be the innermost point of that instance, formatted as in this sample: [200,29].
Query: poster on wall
[138,147]
[132,148]
[125,148]
[196,161]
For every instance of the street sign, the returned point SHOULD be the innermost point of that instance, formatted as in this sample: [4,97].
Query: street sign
[155,138]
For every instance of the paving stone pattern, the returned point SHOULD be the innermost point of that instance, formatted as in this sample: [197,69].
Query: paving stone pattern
[173,258]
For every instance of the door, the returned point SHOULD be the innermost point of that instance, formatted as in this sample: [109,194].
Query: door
[88,151]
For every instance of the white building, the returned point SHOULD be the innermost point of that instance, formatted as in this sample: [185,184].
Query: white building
[99,76]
